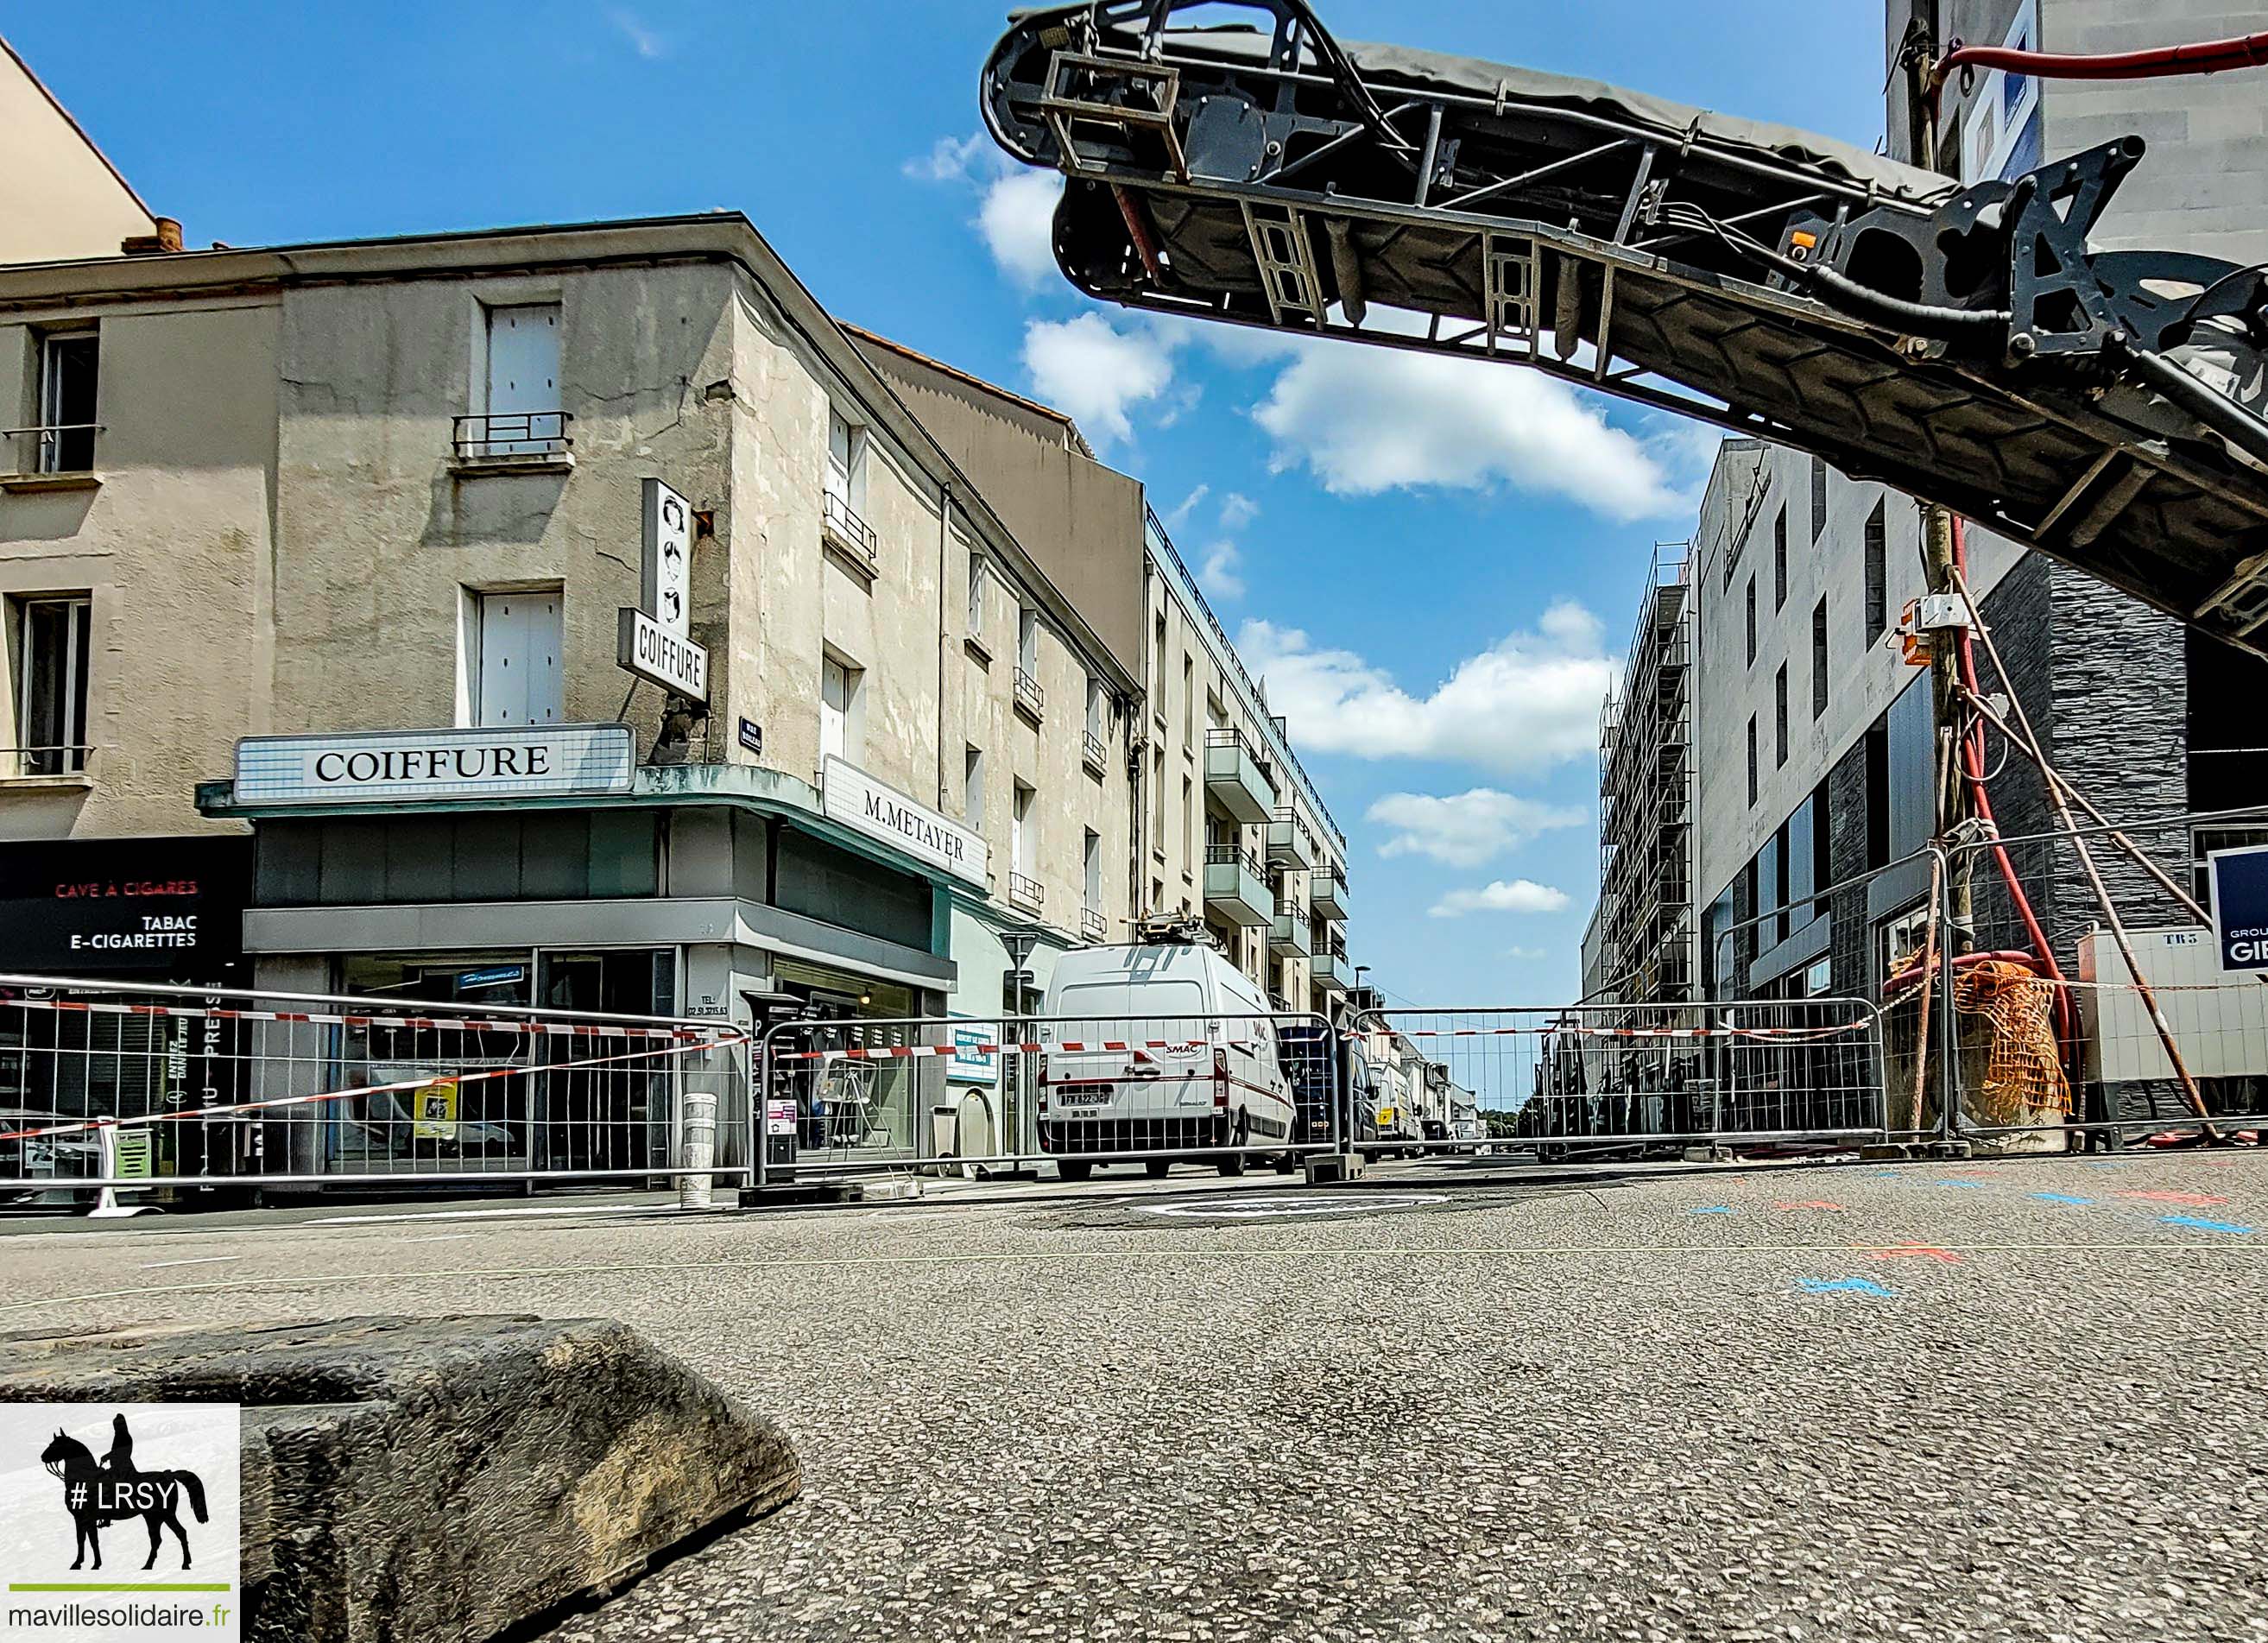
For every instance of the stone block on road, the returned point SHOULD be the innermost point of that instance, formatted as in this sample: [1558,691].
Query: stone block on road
[438,1478]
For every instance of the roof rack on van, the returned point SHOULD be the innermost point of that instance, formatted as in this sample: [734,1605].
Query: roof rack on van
[1173,930]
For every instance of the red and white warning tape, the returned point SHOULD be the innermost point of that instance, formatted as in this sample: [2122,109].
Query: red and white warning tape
[476,1076]
[399,1024]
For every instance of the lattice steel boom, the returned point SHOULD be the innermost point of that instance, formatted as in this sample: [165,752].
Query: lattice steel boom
[1965,345]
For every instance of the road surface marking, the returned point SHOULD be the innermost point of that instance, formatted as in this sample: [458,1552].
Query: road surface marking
[773,1265]
[201,1260]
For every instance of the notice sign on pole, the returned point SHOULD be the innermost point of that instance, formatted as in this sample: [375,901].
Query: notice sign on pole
[2239,906]
[671,660]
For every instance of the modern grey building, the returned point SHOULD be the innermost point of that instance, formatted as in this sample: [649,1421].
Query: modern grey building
[1815,746]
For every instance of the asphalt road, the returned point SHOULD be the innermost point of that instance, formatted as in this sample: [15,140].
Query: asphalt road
[2010,1400]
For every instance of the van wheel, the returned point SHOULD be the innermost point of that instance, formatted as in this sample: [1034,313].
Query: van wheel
[1074,1168]
[1232,1163]
[1156,1167]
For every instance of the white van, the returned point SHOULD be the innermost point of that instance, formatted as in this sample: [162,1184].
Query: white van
[1157,1050]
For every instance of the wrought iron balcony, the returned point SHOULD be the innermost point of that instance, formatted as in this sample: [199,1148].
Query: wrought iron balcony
[1029,696]
[65,447]
[1025,890]
[840,527]
[505,434]
[1091,750]
[1091,925]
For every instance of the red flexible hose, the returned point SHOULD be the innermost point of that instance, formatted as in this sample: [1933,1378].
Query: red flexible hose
[2204,57]
[1972,769]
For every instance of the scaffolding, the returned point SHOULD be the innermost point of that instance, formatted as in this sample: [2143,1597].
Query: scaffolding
[1647,949]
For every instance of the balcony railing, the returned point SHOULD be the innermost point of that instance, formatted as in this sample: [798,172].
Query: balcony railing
[512,433]
[841,526]
[1092,750]
[63,448]
[1029,696]
[17,761]
[1025,890]
[1232,856]
[1091,925]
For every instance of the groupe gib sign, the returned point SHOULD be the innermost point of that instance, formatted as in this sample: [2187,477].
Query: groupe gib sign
[650,640]
[2239,906]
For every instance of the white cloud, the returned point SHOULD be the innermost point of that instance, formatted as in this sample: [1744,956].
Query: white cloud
[1527,703]
[1505,896]
[948,159]
[1218,572]
[1525,952]
[1366,420]
[1237,510]
[1465,829]
[1178,515]
[1095,373]
[643,40]
[1018,222]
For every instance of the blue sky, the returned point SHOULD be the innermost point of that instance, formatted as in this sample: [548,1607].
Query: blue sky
[1440,561]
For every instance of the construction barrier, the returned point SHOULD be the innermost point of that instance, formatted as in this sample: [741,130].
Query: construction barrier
[1597,1080]
[1077,1091]
[150,1089]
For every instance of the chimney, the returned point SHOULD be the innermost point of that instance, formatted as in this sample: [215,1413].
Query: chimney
[164,241]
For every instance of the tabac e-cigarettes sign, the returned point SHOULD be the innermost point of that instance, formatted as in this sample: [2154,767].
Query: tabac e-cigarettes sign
[2239,906]
[650,641]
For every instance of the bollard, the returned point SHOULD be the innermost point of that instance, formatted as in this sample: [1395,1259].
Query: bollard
[700,1150]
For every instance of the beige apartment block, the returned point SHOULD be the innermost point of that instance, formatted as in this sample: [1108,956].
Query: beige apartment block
[397,486]
[1233,831]
[59,197]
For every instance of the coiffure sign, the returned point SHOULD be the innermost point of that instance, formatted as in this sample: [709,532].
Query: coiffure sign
[856,799]
[381,767]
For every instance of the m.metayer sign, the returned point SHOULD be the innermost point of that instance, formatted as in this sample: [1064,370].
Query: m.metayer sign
[856,799]
[170,907]
[374,767]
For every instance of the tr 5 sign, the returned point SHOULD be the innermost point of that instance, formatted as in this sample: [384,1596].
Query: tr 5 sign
[2239,906]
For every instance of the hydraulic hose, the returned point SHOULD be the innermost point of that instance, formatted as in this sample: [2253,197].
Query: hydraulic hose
[2205,57]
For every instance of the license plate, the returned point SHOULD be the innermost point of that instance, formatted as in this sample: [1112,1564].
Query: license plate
[1090,1096]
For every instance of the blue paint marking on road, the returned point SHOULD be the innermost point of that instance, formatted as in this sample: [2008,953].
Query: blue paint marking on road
[2061,1197]
[1713,1209]
[1977,1185]
[2202,1225]
[1845,1285]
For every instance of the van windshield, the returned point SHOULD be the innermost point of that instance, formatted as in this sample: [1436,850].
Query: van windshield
[1118,1001]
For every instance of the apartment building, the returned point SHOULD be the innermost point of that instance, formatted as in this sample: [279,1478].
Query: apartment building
[1639,946]
[338,558]
[1227,827]
[1815,745]
[1231,829]
[1044,764]
[60,196]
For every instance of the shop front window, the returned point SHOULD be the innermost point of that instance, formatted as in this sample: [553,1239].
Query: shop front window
[585,1102]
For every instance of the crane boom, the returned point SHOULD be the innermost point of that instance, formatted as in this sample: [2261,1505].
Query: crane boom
[1966,345]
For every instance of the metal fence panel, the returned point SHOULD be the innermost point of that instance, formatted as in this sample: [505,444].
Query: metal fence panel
[145,1085]
[1613,1078]
[1080,1092]
[2148,1042]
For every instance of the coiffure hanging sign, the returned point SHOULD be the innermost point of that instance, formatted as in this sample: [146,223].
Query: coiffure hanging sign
[397,766]
[856,799]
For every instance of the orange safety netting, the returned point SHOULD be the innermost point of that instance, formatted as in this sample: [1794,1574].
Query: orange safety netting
[2024,1074]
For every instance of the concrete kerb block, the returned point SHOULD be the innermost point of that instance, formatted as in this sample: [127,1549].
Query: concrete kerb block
[1329,1169]
[442,1478]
